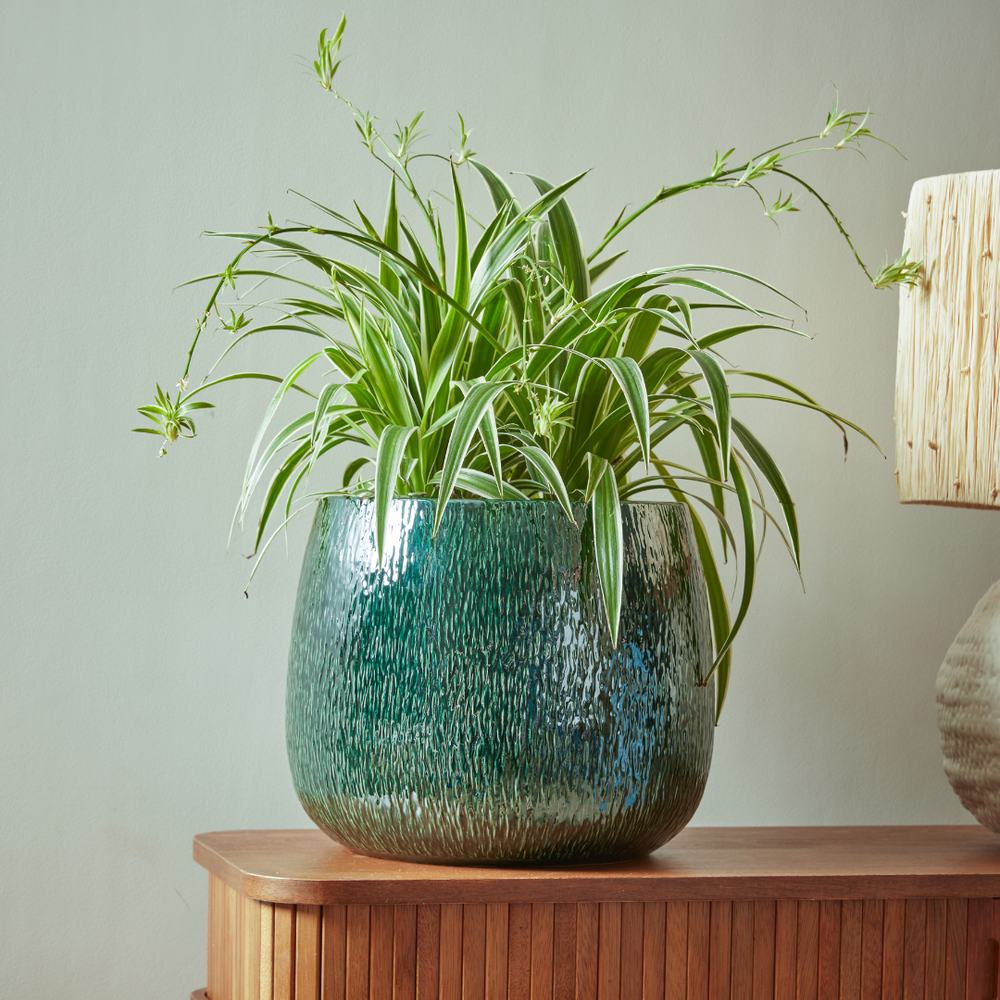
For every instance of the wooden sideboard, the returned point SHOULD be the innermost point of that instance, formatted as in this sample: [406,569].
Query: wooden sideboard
[812,913]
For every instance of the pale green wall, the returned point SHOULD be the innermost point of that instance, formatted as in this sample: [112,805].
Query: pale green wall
[142,695]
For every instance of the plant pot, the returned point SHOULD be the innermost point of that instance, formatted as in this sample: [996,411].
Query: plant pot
[463,703]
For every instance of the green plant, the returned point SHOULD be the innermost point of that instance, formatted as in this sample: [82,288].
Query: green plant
[516,379]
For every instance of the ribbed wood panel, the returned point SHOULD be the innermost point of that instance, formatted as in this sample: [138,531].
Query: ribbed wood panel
[564,949]
[654,951]
[764,948]
[632,951]
[404,976]
[334,953]
[543,918]
[742,951]
[913,949]
[308,952]
[497,929]
[851,922]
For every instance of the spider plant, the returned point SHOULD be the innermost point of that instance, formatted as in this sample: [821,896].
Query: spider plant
[508,373]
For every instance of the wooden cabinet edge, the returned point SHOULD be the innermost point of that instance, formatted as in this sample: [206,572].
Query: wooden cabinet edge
[301,892]
[304,866]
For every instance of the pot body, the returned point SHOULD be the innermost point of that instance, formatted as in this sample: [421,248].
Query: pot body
[463,703]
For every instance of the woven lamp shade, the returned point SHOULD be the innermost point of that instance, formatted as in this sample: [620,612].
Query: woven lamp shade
[948,361]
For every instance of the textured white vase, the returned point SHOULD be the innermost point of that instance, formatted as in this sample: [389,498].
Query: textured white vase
[968,710]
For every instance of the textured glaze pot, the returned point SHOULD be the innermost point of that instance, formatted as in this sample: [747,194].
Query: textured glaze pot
[463,703]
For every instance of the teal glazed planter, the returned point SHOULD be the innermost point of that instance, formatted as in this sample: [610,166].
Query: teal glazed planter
[463,703]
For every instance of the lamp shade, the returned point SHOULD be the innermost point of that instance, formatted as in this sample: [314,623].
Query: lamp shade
[948,355]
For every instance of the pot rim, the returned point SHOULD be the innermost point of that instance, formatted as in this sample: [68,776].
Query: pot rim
[485,501]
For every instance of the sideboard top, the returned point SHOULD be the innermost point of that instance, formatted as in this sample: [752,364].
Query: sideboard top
[848,862]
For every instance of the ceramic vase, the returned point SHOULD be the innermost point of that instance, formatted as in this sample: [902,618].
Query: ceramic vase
[463,703]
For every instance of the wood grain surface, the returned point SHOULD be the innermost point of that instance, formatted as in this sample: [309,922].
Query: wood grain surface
[785,930]
[564,952]
[451,951]
[956,948]
[698,938]
[251,974]
[305,866]
[764,948]
[358,951]
[334,961]
[404,959]
[587,931]
[872,917]
[807,950]
[851,913]
[497,918]
[934,983]
[631,965]
[519,952]
[697,950]
[676,950]
[474,952]
[308,952]
[654,951]
[267,952]
[829,949]
[380,949]
[741,956]
[542,954]
[913,947]
[720,949]
[284,953]
[428,951]
[609,950]
[982,952]
[892,949]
